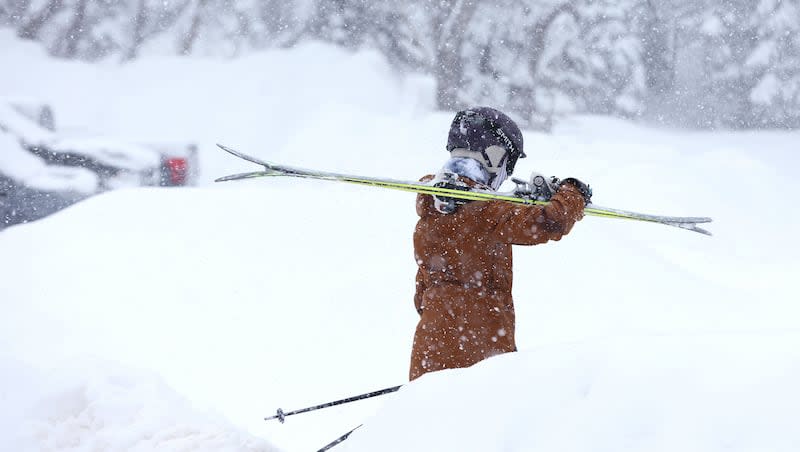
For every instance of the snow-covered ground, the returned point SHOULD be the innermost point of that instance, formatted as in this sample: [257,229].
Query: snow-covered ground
[176,319]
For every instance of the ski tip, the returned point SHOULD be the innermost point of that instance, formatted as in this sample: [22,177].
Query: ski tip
[242,155]
[232,151]
[229,150]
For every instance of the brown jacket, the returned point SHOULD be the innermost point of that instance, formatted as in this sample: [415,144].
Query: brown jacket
[463,292]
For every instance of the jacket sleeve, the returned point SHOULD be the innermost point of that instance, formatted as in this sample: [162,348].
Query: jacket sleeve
[420,289]
[425,202]
[531,225]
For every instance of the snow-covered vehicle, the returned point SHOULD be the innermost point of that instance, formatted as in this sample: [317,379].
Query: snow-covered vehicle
[42,172]
[121,164]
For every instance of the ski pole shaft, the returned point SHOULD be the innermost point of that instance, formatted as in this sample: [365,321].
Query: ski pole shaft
[338,440]
[281,415]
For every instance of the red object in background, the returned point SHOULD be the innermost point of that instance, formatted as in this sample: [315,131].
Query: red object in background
[177,170]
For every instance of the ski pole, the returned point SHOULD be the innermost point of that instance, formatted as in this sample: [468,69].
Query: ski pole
[281,415]
[339,439]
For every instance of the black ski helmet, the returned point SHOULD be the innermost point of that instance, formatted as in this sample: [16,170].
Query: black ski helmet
[478,128]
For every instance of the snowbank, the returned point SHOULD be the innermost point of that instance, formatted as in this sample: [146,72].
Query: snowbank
[733,392]
[94,405]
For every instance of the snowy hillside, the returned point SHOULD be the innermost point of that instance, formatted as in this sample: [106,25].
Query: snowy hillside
[176,319]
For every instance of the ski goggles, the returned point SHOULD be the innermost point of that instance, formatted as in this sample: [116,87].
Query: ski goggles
[467,167]
[493,158]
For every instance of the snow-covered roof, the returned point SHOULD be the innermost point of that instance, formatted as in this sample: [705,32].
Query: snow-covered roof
[21,166]
[119,154]
[33,109]
[11,121]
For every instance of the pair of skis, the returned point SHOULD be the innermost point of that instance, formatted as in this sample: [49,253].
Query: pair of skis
[273,170]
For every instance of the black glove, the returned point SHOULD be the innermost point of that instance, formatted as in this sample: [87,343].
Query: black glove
[585,190]
[447,204]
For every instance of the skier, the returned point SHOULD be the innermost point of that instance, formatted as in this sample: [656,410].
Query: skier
[463,249]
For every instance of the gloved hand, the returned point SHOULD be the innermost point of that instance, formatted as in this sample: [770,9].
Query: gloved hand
[447,204]
[540,188]
[585,190]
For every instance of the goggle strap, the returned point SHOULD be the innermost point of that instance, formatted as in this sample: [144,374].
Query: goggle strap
[503,160]
[486,158]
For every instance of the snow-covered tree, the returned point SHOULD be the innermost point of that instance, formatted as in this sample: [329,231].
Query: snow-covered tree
[752,62]
[400,31]
[342,22]
[216,27]
[611,58]
[507,52]
[80,28]
[709,62]
[447,28]
[560,57]
[774,64]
